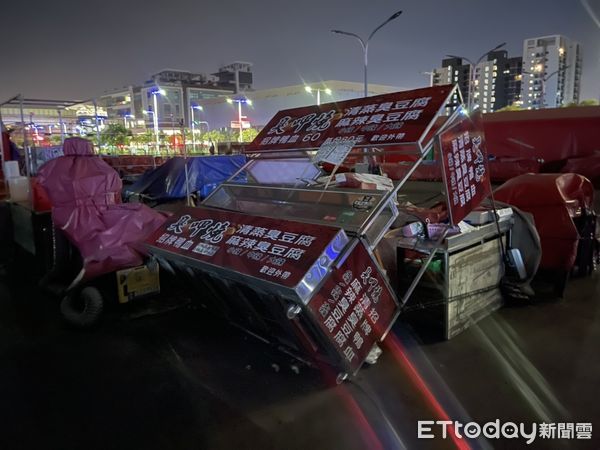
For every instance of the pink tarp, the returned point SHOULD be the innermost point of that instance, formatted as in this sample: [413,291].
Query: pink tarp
[85,193]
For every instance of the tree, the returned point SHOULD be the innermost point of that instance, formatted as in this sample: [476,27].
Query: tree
[216,136]
[55,139]
[249,134]
[513,107]
[116,135]
[589,102]
[586,102]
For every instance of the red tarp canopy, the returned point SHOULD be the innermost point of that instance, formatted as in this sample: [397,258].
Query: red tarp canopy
[550,134]
[553,199]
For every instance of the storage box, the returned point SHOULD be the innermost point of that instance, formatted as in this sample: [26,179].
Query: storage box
[137,282]
[18,188]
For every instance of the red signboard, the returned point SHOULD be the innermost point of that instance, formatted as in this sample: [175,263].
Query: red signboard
[396,118]
[354,308]
[465,166]
[279,251]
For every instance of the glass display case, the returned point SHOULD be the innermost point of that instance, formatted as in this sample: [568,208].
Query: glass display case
[299,196]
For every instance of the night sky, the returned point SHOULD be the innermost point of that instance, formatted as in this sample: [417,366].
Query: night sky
[80,49]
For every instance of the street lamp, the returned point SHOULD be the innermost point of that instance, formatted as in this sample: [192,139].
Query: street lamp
[192,108]
[239,102]
[537,70]
[365,44]
[155,122]
[472,71]
[310,89]
[430,74]
[127,116]
[155,93]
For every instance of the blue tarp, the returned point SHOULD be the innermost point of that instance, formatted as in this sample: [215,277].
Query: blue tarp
[205,173]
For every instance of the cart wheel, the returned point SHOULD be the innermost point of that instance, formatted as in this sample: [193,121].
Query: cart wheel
[341,377]
[82,309]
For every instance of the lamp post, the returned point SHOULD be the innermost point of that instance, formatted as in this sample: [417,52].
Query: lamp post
[310,90]
[430,74]
[543,79]
[155,93]
[239,102]
[156,142]
[365,44]
[127,116]
[192,108]
[472,71]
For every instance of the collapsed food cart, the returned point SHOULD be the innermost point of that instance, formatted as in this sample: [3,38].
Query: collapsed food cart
[292,256]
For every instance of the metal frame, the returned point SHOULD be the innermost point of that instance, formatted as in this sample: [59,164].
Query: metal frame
[389,197]
[295,292]
[353,243]
[383,203]
[299,300]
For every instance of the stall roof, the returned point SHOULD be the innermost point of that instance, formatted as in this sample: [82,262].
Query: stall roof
[394,119]
[39,103]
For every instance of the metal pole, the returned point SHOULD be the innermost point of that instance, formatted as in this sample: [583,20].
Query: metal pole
[97,126]
[172,134]
[25,143]
[62,126]
[366,51]
[192,127]
[155,121]
[2,128]
[471,87]
[365,44]
[318,97]
[240,119]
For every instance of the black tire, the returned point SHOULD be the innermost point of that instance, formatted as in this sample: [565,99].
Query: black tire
[83,309]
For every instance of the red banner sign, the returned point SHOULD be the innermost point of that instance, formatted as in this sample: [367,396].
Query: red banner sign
[397,118]
[355,307]
[279,251]
[465,166]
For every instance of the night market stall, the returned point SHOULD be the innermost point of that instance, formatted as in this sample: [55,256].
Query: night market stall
[295,254]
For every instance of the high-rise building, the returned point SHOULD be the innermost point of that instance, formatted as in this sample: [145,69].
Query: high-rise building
[453,71]
[551,72]
[173,93]
[237,75]
[496,81]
